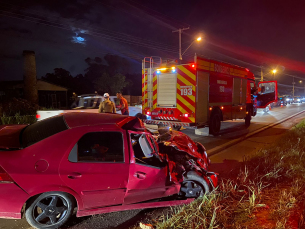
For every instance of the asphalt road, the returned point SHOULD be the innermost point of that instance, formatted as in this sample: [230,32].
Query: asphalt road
[222,162]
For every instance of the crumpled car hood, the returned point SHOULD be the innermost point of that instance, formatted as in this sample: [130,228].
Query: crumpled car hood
[185,145]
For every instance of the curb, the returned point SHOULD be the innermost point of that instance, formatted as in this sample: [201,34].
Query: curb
[220,148]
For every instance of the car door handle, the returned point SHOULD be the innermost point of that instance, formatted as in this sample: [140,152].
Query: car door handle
[74,175]
[140,175]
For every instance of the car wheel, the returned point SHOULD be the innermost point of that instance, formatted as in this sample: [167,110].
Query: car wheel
[194,186]
[50,210]
[215,123]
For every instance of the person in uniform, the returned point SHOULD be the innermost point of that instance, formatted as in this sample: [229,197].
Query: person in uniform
[123,104]
[107,106]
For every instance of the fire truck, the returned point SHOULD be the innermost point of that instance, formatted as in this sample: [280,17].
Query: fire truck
[201,94]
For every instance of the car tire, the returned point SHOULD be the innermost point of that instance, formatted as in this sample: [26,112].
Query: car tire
[215,123]
[194,186]
[50,210]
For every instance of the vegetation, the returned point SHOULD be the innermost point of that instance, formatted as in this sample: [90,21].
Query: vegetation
[265,191]
[17,106]
[17,119]
[107,74]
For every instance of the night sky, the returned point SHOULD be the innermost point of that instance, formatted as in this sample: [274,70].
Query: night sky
[249,33]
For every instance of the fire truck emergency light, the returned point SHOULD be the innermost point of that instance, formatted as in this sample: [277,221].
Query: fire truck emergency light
[186,115]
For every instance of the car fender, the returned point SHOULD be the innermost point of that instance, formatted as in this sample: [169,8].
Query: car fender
[55,188]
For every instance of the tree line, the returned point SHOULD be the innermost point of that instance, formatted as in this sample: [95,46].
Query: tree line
[107,74]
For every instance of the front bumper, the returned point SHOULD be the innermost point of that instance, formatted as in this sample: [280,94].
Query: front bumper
[167,123]
[12,199]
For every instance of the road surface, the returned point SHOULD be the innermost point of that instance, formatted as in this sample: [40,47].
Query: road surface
[222,161]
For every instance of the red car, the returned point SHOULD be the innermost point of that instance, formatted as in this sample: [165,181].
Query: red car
[96,163]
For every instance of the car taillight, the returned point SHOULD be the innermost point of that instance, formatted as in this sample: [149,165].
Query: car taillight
[4,177]
[37,116]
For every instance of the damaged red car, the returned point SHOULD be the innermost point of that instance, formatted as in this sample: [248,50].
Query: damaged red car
[96,163]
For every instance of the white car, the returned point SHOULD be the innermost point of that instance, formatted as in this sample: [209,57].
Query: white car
[87,103]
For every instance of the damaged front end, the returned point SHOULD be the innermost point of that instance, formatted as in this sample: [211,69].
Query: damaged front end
[184,156]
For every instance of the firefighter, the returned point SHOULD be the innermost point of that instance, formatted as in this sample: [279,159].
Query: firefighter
[123,103]
[107,106]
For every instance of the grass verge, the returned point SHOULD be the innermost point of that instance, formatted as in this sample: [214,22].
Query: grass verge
[265,191]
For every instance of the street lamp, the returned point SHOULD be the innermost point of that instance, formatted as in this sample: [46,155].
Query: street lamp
[180,32]
[198,39]
[304,86]
[274,71]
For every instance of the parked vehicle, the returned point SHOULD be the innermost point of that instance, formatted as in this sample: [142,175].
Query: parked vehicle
[297,99]
[288,99]
[88,103]
[202,93]
[96,163]
[281,101]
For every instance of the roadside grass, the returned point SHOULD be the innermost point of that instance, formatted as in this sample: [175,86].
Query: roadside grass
[265,191]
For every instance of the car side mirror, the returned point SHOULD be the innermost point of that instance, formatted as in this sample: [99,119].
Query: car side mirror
[147,150]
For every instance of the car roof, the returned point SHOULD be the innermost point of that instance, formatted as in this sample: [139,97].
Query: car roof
[77,119]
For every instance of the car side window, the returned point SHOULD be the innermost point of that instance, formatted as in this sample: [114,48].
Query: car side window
[99,147]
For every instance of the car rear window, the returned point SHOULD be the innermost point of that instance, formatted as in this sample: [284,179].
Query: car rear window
[42,129]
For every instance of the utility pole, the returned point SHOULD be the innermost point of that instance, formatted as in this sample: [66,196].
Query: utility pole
[293,83]
[262,74]
[180,32]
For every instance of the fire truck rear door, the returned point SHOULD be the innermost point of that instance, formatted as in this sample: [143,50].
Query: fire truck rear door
[267,93]
[167,90]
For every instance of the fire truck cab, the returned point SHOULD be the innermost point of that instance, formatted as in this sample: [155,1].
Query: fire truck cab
[201,94]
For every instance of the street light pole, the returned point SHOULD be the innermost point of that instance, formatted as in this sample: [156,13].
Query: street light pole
[293,83]
[180,32]
[262,74]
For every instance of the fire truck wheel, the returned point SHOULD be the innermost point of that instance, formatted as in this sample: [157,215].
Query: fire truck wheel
[266,110]
[248,120]
[215,124]
[177,128]
[141,116]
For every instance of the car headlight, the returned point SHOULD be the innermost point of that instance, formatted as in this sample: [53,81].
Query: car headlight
[299,100]
[287,99]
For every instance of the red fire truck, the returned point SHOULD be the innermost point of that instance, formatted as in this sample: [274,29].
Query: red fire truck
[201,94]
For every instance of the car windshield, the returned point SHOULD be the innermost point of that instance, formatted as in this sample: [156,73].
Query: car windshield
[41,130]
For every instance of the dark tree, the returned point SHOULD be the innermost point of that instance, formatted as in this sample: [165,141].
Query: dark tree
[108,77]
[60,77]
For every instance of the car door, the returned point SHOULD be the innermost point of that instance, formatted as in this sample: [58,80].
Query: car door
[267,93]
[147,174]
[97,168]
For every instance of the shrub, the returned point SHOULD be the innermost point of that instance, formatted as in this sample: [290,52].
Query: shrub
[17,106]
